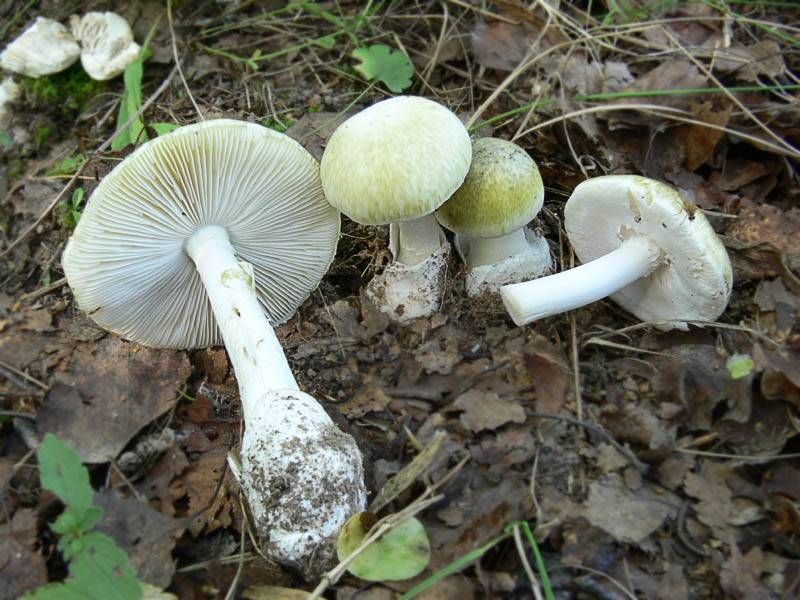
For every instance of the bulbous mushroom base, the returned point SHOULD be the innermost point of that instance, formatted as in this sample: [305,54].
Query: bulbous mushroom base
[405,293]
[303,478]
[533,262]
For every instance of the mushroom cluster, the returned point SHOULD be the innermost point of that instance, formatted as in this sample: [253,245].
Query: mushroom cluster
[102,40]
[212,233]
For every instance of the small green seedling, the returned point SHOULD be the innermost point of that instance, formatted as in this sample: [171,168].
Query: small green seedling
[381,63]
[5,140]
[98,569]
[402,553]
[71,214]
[740,366]
[130,105]
[68,166]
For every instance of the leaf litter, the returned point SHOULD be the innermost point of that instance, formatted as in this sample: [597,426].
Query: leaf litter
[715,510]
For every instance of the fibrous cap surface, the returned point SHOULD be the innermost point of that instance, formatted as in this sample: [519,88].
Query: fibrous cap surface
[397,160]
[126,261]
[502,192]
[695,277]
[45,47]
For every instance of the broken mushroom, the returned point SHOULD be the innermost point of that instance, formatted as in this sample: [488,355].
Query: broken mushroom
[641,243]
[44,48]
[503,191]
[213,233]
[107,45]
[396,162]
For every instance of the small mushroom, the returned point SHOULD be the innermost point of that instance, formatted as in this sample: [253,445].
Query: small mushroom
[107,45]
[641,243]
[9,92]
[503,191]
[44,48]
[396,162]
[212,233]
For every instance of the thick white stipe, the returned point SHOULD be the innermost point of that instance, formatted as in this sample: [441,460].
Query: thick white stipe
[529,301]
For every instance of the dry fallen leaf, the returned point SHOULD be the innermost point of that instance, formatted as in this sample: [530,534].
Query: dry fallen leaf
[486,410]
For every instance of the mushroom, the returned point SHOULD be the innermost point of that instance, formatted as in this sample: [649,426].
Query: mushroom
[107,45]
[503,191]
[45,47]
[396,162]
[643,244]
[9,92]
[208,234]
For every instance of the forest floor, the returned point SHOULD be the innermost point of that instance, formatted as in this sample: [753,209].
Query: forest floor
[648,464]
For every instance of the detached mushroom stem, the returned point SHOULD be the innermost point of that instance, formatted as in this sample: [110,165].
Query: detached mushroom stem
[256,355]
[528,301]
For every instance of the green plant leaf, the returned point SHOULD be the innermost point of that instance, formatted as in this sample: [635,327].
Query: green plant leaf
[68,166]
[130,105]
[62,472]
[402,553]
[163,128]
[379,62]
[740,365]
[5,140]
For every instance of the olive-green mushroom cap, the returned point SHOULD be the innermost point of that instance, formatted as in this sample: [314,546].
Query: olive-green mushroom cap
[397,160]
[502,192]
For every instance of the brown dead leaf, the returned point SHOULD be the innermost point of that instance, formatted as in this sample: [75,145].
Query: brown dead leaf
[628,516]
[368,399]
[715,508]
[114,383]
[512,446]
[741,575]
[486,410]
[199,483]
[739,172]
[312,130]
[766,223]
[763,58]
[549,374]
[700,141]
[502,46]
[23,568]
[440,354]
[146,535]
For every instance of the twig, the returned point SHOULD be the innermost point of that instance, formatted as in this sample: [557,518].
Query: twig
[681,531]
[104,146]
[537,590]
[178,62]
[24,375]
[43,291]
[640,466]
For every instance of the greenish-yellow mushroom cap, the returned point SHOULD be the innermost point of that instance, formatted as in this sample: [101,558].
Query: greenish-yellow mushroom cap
[502,192]
[397,160]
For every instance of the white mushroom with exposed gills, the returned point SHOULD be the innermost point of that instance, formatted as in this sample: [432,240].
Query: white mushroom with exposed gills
[642,244]
[396,162]
[44,48]
[213,233]
[503,192]
[107,45]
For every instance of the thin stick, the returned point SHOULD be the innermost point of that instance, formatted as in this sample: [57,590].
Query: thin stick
[537,590]
[103,147]
[24,375]
[178,62]
[43,291]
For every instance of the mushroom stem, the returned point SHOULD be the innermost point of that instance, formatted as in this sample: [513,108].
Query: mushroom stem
[255,353]
[417,239]
[488,251]
[528,301]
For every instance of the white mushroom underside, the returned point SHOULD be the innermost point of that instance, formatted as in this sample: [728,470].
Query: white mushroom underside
[44,48]
[694,279]
[107,45]
[126,261]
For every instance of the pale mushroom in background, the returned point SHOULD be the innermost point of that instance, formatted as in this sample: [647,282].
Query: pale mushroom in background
[44,48]
[212,233]
[503,192]
[396,162]
[9,92]
[107,45]
[642,244]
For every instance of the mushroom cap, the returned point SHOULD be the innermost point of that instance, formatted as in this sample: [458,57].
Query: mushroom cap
[126,262]
[502,192]
[107,45]
[694,279]
[43,48]
[397,160]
